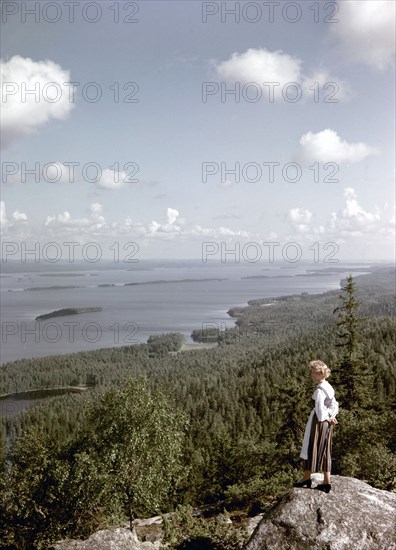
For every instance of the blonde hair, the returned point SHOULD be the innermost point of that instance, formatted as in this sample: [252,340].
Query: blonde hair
[319,367]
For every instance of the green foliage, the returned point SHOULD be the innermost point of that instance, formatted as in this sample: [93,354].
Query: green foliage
[247,402]
[259,491]
[163,343]
[126,460]
[183,531]
[136,438]
[363,449]
[293,403]
[29,501]
[352,374]
[347,319]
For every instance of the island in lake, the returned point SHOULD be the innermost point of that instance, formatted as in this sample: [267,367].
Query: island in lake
[68,311]
[52,287]
[164,281]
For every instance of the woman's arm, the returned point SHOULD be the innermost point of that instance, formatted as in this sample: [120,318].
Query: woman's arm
[322,412]
[334,408]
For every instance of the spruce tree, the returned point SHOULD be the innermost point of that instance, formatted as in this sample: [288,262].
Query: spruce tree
[351,374]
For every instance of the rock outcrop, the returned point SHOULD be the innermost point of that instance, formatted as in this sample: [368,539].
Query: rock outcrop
[353,516]
[108,539]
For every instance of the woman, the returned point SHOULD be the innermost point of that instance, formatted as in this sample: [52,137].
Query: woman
[318,436]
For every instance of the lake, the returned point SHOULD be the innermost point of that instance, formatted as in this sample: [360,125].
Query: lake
[148,298]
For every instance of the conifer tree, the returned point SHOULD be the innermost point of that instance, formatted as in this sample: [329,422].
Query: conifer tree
[352,376]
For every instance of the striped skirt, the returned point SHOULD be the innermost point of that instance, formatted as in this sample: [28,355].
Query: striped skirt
[319,450]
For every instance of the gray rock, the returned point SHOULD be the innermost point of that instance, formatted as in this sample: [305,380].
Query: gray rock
[253,522]
[353,516]
[108,539]
[155,520]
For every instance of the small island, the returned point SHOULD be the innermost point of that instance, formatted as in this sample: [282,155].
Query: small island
[165,281]
[56,287]
[68,311]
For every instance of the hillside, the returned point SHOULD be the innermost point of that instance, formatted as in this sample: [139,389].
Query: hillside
[246,401]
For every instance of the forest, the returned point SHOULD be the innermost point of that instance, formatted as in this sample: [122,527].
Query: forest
[231,418]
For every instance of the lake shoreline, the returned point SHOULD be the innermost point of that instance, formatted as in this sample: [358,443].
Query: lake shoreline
[29,393]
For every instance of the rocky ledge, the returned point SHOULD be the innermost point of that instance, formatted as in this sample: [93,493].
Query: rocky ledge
[114,539]
[353,515]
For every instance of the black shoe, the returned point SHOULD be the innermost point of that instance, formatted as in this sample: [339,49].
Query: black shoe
[325,487]
[306,483]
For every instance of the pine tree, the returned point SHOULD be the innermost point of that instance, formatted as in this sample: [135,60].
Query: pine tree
[352,376]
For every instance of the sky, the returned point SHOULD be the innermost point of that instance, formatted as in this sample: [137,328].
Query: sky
[173,129]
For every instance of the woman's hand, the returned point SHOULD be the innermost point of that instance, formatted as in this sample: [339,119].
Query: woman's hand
[333,421]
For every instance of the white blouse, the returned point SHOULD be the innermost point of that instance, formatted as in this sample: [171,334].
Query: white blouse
[326,408]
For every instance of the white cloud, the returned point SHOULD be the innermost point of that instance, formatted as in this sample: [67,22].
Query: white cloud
[18,222]
[153,227]
[261,67]
[95,227]
[322,86]
[300,219]
[216,233]
[62,219]
[366,30]
[96,208]
[351,225]
[115,179]
[327,146]
[112,179]
[59,173]
[350,222]
[22,115]
[299,215]
[19,216]
[172,215]
[353,220]
[4,223]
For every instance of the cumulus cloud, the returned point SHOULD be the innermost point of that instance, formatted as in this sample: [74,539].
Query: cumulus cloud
[300,218]
[95,213]
[22,115]
[261,67]
[94,226]
[366,30]
[351,221]
[19,216]
[57,172]
[96,209]
[62,219]
[172,215]
[118,179]
[216,233]
[299,215]
[112,179]
[327,146]
[18,219]
[4,223]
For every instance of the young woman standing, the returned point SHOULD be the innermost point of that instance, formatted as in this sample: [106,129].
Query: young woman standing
[318,436]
